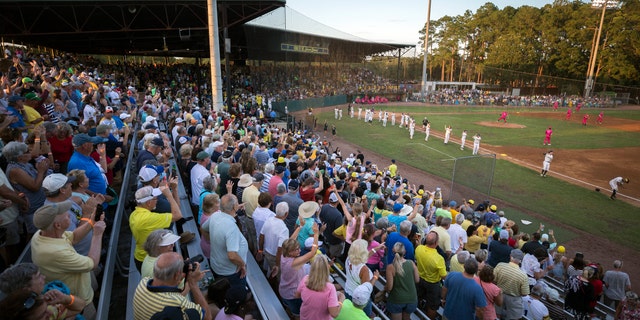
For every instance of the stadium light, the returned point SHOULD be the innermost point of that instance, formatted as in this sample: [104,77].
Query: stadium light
[588,86]
[426,42]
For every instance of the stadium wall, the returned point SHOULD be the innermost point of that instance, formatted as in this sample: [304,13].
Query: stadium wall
[297,105]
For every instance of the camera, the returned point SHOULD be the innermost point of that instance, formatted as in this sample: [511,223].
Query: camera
[190,264]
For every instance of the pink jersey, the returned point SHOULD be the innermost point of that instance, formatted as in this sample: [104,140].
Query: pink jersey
[548,133]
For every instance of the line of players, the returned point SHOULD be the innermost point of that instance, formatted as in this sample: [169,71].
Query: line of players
[406,121]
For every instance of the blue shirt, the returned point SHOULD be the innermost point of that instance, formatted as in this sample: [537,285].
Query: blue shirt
[408,246]
[225,237]
[463,296]
[97,181]
[18,124]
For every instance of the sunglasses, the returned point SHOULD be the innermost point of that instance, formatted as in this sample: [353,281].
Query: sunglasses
[30,301]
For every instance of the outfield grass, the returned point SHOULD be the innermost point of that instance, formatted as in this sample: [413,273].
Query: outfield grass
[553,198]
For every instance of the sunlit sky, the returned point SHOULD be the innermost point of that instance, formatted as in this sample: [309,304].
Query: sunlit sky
[390,21]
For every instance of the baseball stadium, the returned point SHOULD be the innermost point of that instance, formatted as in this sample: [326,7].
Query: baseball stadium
[222,159]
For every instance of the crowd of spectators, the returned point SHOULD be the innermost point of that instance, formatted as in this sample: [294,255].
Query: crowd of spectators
[447,96]
[281,195]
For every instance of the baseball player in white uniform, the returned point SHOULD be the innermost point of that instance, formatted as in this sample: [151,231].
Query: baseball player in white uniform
[615,183]
[548,157]
[463,139]
[412,128]
[427,131]
[476,143]
[447,134]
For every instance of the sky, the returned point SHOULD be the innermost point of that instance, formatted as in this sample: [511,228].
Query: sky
[385,20]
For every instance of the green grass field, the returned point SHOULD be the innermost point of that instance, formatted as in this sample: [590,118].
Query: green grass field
[553,198]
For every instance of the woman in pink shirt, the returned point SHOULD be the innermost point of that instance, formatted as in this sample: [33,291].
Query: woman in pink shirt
[210,205]
[292,271]
[491,291]
[320,300]
[376,250]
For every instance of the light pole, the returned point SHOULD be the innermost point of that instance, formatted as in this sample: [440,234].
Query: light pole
[426,42]
[588,86]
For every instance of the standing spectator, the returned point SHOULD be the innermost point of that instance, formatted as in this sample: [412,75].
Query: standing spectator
[320,301]
[578,294]
[378,250]
[357,272]
[461,295]
[144,220]
[81,159]
[208,187]
[272,235]
[198,173]
[492,292]
[294,202]
[332,217]
[276,179]
[514,284]
[58,189]
[26,178]
[432,271]
[457,234]
[52,251]
[61,145]
[616,284]
[160,296]
[210,205]
[499,251]
[250,197]
[262,213]
[402,277]
[228,247]
[291,265]
[152,148]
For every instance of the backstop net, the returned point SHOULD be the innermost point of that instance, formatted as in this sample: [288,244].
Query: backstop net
[472,177]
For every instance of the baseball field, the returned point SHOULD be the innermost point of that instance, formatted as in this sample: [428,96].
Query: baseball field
[585,158]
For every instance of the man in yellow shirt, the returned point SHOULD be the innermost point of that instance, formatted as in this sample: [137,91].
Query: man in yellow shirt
[393,168]
[432,271]
[143,220]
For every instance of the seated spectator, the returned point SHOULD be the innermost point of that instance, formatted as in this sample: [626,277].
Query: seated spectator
[24,304]
[160,296]
[629,308]
[26,276]
[52,251]
[158,242]
[533,308]
[237,305]
[353,308]
[26,178]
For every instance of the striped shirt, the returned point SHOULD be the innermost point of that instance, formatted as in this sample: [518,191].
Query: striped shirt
[511,279]
[149,300]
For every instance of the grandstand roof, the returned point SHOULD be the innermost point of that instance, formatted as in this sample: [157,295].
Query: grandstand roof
[142,27]
[268,35]
[179,28]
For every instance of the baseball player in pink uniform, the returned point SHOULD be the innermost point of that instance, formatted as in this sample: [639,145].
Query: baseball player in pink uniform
[547,136]
[600,117]
[503,117]
[569,112]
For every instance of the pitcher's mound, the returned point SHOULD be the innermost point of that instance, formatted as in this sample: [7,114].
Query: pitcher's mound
[501,125]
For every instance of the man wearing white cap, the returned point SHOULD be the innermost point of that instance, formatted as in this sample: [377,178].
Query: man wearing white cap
[352,309]
[151,175]
[179,123]
[144,220]
[57,188]
[52,251]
